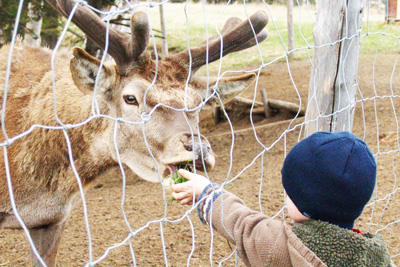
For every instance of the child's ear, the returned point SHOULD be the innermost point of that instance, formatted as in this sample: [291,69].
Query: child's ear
[85,69]
[226,87]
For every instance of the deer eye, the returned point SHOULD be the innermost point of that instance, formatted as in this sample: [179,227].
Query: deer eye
[130,100]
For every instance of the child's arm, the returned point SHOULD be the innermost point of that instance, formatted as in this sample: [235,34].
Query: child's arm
[257,238]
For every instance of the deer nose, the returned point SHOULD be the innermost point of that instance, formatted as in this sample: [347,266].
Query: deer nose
[196,143]
[202,150]
[205,159]
[198,148]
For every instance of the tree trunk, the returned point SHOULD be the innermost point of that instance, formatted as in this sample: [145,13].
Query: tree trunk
[290,25]
[164,43]
[34,25]
[333,82]
[2,39]
[50,30]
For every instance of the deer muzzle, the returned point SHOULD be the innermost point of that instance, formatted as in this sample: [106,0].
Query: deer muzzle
[202,153]
[187,150]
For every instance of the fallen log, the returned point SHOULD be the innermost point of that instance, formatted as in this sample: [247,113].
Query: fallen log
[267,108]
[242,102]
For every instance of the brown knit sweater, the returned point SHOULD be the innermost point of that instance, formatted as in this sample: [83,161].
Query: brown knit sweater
[260,241]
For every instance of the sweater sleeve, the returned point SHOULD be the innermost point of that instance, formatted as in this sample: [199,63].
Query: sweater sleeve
[260,241]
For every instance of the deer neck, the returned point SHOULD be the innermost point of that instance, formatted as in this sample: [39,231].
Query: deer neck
[45,154]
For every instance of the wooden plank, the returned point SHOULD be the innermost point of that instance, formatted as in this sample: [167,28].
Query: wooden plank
[164,42]
[217,115]
[267,108]
[335,64]
[346,80]
[279,104]
[244,103]
[289,4]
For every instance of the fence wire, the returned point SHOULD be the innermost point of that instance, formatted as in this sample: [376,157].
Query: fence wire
[381,215]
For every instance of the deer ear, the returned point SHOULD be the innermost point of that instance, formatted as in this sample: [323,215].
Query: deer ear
[227,87]
[85,69]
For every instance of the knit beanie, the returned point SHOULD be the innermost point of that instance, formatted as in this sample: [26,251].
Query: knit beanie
[330,177]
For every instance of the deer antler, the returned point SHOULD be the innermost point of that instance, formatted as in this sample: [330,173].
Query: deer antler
[236,36]
[125,49]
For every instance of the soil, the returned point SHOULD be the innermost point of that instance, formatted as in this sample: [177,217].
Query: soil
[185,240]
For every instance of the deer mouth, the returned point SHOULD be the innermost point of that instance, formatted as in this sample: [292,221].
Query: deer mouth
[187,165]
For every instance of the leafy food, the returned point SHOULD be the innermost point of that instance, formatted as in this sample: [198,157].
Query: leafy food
[175,178]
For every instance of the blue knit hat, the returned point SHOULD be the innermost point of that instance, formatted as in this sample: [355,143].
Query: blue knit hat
[330,177]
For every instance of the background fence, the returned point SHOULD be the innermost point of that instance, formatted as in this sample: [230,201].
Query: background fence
[250,148]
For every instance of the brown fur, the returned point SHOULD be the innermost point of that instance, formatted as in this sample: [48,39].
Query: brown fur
[30,102]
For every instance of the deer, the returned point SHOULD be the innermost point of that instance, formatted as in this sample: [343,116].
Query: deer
[152,94]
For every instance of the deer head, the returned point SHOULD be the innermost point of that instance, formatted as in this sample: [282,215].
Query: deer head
[153,95]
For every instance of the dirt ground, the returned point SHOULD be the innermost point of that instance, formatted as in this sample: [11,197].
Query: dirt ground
[187,241]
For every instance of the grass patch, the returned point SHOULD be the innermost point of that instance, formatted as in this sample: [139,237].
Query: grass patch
[187,26]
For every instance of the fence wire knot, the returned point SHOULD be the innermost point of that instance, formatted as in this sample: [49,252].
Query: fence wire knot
[8,142]
[145,117]
[67,127]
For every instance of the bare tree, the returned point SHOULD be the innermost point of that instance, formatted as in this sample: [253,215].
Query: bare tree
[290,27]
[164,43]
[34,25]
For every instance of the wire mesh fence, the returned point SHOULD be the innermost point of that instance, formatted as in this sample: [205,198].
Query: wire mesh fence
[123,220]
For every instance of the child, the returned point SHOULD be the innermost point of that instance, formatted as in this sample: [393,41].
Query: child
[329,178]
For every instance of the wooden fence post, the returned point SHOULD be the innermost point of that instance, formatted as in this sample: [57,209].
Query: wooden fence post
[333,82]
[290,25]
[164,43]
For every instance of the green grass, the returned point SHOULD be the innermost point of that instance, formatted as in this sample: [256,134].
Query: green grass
[176,177]
[380,36]
[274,48]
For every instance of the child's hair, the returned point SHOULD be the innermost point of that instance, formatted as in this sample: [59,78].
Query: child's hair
[330,177]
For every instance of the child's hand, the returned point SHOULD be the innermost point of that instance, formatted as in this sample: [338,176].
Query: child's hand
[184,192]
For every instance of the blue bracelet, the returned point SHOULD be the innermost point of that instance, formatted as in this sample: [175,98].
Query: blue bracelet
[214,197]
[202,195]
